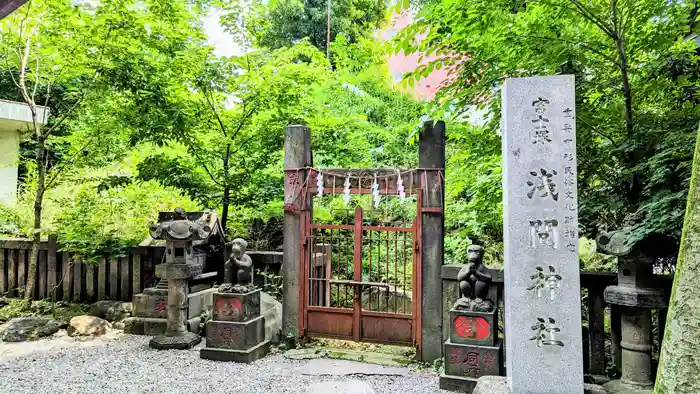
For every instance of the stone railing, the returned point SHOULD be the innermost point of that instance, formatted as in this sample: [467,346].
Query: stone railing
[594,312]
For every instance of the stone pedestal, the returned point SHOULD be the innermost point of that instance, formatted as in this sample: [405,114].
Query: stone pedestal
[472,350]
[176,335]
[237,330]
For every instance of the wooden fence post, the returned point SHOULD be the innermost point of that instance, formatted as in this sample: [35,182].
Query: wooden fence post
[102,279]
[596,330]
[113,278]
[77,280]
[125,278]
[90,281]
[136,272]
[3,271]
[21,271]
[42,274]
[51,269]
[66,276]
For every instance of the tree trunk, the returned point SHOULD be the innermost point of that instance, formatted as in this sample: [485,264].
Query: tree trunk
[631,159]
[679,366]
[224,209]
[227,189]
[38,203]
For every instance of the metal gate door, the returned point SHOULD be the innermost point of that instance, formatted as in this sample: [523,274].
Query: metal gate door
[362,281]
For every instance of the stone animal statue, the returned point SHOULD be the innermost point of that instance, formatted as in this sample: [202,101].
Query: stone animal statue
[239,265]
[474,281]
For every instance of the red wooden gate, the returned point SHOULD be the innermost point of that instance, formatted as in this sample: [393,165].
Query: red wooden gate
[362,280]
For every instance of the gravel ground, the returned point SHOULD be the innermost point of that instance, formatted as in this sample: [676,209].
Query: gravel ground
[122,363]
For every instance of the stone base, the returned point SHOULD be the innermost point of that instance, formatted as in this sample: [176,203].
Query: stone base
[456,383]
[616,386]
[235,335]
[152,326]
[155,305]
[472,361]
[499,385]
[239,356]
[185,341]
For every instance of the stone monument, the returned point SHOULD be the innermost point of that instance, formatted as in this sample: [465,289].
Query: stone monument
[236,331]
[179,232]
[636,295]
[544,352]
[473,348]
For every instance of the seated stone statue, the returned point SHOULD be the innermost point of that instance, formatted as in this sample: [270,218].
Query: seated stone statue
[474,281]
[237,270]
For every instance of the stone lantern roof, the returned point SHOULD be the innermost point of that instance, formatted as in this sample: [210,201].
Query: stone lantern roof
[209,230]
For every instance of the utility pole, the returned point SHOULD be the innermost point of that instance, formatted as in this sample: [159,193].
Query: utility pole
[328,30]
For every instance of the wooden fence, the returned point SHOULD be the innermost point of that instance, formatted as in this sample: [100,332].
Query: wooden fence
[58,277]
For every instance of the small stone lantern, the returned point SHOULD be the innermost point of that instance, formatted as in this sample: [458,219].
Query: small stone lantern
[636,295]
[179,232]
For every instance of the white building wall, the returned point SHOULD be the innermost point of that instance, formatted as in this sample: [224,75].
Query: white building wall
[9,156]
[15,118]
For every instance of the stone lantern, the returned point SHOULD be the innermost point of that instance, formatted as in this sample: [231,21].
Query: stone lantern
[636,295]
[179,233]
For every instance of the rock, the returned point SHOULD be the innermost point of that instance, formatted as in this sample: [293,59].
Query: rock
[272,310]
[593,389]
[87,325]
[3,301]
[28,328]
[118,325]
[62,324]
[339,387]
[111,310]
[324,366]
[491,385]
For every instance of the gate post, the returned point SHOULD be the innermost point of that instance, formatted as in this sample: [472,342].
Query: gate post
[297,156]
[431,154]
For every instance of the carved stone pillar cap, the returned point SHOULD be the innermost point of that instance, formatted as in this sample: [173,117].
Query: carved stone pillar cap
[614,243]
[636,297]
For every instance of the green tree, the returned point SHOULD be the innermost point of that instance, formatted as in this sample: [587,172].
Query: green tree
[232,125]
[284,22]
[91,53]
[636,87]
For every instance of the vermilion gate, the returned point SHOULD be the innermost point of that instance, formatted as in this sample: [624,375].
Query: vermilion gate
[367,278]
[362,280]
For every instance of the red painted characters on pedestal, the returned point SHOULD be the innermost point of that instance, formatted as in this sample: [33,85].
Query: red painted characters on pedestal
[472,327]
[230,307]
[160,306]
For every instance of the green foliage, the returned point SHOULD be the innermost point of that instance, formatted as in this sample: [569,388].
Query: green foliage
[285,22]
[272,284]
[57,310]
[90,216]
[634,139]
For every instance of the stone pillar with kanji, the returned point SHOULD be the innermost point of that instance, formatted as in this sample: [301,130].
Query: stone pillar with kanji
[236,331]
[179,232]
[472,349]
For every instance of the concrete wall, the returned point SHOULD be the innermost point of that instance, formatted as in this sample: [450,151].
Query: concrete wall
[9,152]
[401,63]
[15,118]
